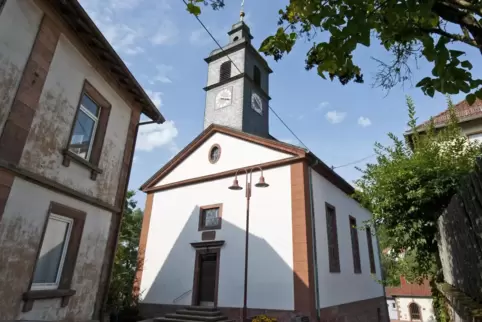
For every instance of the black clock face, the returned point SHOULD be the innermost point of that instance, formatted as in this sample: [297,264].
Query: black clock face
[257,103]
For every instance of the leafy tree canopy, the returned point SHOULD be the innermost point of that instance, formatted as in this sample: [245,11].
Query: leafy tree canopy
[121,295]
[409,29]
[412,182]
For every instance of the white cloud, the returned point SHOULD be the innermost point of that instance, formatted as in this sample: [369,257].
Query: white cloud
[364,121]
[157,135]
[167,33]
[134,51]
[162,74]
[322,106]
[335,117]
[156,97]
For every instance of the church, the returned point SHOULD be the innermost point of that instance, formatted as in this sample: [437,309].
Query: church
[239,224]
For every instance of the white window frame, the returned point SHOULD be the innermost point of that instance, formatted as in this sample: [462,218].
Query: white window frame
[53,286]
[93,118]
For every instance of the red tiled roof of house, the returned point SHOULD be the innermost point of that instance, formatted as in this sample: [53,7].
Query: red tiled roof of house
[408,289]
[463,111]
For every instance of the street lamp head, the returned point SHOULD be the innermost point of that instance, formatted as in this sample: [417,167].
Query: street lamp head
[235,185]
[262,183]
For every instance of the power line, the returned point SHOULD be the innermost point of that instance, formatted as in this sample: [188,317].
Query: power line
[239,70]
[354,162]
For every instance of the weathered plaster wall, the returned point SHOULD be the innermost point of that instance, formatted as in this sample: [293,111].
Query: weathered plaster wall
[19,22]
[54,118]
[425,304]
[392,309]
[333,286]
[20,233]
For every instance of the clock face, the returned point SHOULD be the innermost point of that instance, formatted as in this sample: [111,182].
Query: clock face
[257,103]
[224,97]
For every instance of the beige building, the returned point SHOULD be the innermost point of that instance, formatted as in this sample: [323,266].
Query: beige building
[470,119]
[69,114]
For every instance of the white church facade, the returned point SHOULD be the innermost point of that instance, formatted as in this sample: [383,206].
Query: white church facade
[305,256]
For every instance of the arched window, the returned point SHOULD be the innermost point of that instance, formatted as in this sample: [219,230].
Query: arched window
[257,76]
[225,71]
[414,312]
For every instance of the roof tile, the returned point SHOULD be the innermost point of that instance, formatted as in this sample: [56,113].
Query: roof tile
[463,111]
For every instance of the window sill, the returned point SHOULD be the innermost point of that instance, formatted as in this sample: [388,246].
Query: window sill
[30,296]
[94,170]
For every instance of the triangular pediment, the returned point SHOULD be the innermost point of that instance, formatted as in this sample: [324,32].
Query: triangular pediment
[237,150]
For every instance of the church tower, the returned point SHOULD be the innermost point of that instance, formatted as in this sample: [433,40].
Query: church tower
[237,94]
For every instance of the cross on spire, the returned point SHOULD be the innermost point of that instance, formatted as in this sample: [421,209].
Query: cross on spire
[242,14]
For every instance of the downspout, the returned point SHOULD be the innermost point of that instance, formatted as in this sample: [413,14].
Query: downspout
[117,229]
[313,238]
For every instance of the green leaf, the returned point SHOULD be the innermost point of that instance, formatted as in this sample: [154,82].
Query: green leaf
[479,94]
[431,91]
[193,9]
[471,98]
[466,64]
[456,53]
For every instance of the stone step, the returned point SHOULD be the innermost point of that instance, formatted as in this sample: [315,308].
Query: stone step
[197,317]
[198,313]
[166,319]
[202,308]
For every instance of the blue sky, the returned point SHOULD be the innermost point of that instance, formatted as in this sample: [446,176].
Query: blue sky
[164,47]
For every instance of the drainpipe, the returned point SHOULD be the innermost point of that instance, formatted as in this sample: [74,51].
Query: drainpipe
[117,229]
[313,238]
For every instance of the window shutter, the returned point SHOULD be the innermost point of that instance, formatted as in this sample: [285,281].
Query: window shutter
[225,71]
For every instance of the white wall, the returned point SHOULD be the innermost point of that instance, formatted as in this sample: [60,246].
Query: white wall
[235,153]
[19,22]
[54,118]
[169,259]
[392,309]
[20,232]
[426,308]
[333,286]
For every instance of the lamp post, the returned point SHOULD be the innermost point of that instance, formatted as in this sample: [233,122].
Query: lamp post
[235,186]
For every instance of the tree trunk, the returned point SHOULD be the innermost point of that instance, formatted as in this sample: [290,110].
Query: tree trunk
[462,18]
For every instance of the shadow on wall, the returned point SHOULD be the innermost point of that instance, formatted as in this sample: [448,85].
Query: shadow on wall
[270,277]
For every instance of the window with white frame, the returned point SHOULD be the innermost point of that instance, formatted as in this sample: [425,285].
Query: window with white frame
[53,251]
[85,127]
[477,137]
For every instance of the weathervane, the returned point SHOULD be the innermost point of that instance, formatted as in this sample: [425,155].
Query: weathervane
[241,14]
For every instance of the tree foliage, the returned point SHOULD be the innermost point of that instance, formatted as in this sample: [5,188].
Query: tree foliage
[411,184]
[409,29]
[121,295]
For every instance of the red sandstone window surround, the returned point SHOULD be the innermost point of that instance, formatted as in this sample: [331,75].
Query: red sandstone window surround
[210,217]
[332,234]
[88,130]
[56,256]
[355,246]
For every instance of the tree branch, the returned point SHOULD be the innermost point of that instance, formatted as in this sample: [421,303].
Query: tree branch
[462,4]
[456,37]
[447,12]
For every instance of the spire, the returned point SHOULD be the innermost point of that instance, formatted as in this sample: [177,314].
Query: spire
[242,14]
